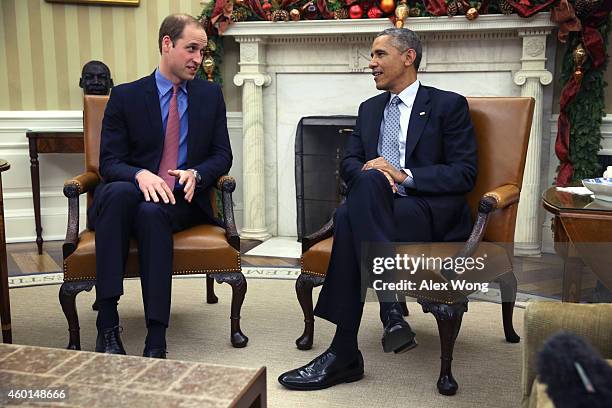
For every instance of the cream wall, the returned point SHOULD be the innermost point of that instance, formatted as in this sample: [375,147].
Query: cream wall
[44,45]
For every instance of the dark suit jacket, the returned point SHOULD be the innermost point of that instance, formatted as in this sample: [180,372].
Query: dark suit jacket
[133,137]
[440,152]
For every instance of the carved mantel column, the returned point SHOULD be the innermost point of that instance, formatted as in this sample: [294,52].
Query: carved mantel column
[532,77]
[252,79]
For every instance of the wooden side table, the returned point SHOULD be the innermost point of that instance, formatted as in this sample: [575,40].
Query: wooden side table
[48,142]
[583,234]
[5,304]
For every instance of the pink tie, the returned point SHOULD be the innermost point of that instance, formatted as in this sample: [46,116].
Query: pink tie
[171,143]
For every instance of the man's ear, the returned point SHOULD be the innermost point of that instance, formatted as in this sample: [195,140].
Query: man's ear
[410,57]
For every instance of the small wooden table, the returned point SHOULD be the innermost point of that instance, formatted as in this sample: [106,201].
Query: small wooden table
[48,142]
[105,380]
[5,304]
[583,233]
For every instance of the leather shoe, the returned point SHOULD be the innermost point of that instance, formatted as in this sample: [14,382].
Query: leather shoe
[154,352]
[397,335]
[324,371]
[109,341]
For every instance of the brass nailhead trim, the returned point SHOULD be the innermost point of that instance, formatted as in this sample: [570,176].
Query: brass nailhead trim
[180,272]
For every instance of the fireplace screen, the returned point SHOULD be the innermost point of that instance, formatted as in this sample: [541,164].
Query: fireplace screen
[319,147]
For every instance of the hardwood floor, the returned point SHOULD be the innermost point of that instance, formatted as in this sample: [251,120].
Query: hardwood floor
[538,276]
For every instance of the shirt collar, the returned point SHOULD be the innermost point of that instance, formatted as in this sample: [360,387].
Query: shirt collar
[408,95]
[164,85]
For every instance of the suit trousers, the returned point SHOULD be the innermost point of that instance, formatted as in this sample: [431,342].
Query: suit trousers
[119,213]
[372,213]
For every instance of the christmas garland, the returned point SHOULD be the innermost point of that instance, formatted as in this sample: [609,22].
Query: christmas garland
[583,26]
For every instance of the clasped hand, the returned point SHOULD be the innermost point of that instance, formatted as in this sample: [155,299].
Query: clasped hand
[393,175]
[154,187]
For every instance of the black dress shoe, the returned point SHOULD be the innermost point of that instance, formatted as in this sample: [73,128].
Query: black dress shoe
[324,371]
[154,352]
[397,335]
[109,341]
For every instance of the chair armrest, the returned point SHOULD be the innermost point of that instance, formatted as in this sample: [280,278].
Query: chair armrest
[503,196]
[73,188]
[499,198]
[543,319]
[81,184]
[324,232]
[226,185]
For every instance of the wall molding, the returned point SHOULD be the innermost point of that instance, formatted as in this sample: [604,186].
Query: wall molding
[55,169]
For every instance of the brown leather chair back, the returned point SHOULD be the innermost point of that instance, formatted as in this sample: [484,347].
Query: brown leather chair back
[93,113]
[502,127]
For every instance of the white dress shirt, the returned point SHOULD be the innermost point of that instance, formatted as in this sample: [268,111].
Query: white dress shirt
[407,97]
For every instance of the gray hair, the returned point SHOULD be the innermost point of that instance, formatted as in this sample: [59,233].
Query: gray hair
[404,39]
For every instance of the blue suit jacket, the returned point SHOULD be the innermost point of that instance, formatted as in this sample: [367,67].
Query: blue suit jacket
[440,152]
[133,138]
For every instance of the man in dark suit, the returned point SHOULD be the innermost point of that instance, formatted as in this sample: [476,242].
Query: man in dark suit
[408,164]
[164,143]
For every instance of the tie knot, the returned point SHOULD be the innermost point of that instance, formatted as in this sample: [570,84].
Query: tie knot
[396,100]
[175,89]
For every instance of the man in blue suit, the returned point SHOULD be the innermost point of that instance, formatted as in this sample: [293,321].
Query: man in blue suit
[408,164]
[164,143]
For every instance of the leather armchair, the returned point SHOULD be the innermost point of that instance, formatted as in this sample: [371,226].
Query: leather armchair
[202,249]
[502,127]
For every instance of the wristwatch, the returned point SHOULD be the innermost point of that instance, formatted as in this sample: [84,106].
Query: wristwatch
[197,176]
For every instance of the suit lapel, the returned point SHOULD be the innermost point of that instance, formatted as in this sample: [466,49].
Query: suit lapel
[372,132]
[193,109]
[418,119]
[154,110]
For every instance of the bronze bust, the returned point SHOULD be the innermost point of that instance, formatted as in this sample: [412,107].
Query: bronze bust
[96,78]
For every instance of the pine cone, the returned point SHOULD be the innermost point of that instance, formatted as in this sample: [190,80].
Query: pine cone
[280,15]
[586,7]
[452,9]
[341,14]
[505,7]
[239,15]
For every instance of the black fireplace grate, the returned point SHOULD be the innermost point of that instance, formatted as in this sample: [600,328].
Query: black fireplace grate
[319,148]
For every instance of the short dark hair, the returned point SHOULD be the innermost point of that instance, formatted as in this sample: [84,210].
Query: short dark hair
[173,27]
[404,39]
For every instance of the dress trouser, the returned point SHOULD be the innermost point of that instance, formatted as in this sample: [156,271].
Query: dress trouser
[119,213]
[372,213]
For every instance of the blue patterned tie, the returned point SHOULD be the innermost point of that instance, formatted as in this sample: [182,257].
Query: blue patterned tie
[390,139]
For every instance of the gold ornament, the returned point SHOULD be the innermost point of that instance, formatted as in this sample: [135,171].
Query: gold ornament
[580,57]
[472,14]
[387,6]
[401,12]
[209,65]
[295,15]
[239,2]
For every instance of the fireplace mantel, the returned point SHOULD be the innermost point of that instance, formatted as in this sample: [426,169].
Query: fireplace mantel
[294,69]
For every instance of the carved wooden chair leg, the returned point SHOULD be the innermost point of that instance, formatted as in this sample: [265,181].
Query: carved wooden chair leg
[507,285]
[67,297]
[449,319]
[210,290]
[303,289]
[239,287]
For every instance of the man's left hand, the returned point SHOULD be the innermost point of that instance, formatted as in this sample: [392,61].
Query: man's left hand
[187,179]
[380,163]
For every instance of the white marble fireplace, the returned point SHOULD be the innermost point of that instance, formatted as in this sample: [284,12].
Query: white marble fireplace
[290,70]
